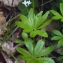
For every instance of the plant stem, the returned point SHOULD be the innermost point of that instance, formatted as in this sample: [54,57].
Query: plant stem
[33,5]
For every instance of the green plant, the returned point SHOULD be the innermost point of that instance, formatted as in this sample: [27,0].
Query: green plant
[57,15]
[24,9]
[59,37]
[34,23]
[35,54]
[60,58]
[55,4]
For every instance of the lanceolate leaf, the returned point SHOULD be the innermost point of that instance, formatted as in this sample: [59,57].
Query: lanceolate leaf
[56,38]
[46,51]
[38,32]
[30,61]
[61,8]
[47,60]
[31,17]
[23,18]
[60,43]
[29,45]
[26,20]
[62,19]
[43,18]
[23,51]
[42,33]
[38,47]
[56,15]
[37,18]
[35,60]
[23,25]
[24,57]
[57,33]
[39,14]
[45,24]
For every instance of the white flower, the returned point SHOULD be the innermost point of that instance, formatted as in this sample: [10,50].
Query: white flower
[26,3]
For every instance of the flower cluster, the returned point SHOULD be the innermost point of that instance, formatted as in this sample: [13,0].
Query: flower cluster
[26,3]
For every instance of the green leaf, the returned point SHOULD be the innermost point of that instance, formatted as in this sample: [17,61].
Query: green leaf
[37,18]
[19,24]
[38,32]
[42,19]
[19,41]
[38,47]
[47,60]
[35,60]
[23,18]
[27,30]
[24,25]
[60,58]
[39,14]
[41,60]
[22,8]
[46,51]
[61,8]
[30,61]
[24,35]
[45,24]
[56,15]
[62,19]
[57,33]
[42,33]
[24,57]
[29,45]
[23,51]
[26,21]
[33,34]
[31,17]
[60,43]
[56,38]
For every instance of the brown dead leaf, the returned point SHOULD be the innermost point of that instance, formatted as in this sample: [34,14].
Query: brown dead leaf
[9,2]
[9,47]
[19,61]
[6,57]
[2,21]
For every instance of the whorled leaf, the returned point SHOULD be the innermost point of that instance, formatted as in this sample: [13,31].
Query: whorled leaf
[23,51]
[57,33]
[38,32]
[56,15]
[61,8]
[46,51]
[38,47]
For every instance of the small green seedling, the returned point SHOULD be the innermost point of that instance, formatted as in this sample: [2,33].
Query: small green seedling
[35,54]
[57,15]
[34,23]
[59,37]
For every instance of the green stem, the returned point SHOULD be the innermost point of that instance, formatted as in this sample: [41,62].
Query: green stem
[27,9]
[42,5]
[33,5]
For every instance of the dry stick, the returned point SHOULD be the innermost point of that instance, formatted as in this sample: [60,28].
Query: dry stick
[46,3]
[9,54]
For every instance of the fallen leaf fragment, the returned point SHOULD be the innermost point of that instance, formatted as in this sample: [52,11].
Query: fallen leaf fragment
[3,29]
[11,3]
[9,47]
